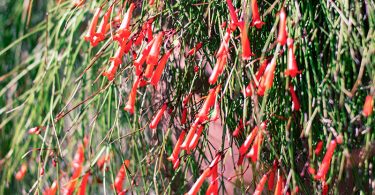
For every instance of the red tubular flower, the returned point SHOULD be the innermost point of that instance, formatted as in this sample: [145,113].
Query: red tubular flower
[176,163]
[111,71]
[184,116]
[216,160]
[82,187]
[126,47]
[150,35]
[151,2]
[253,154]
[195,189]
[279,185]
[256,18]
[318,148]
[123,31]
[214,169]
[232,11]
[77,168]
[238,129]
[267,79]
[159,69]
[221,66]
[73,181]
[218,69]
[292,70]
[198,46]
[223,49]
[132,97]
[139,39]
[91,32]
[261,70]
[251,86]
[324,167]
[52,190]
[249,89]
[191,52]
[79,157]
[368,106]
[152,58]
[270,74]
[213,189]
[249,139]
[21,172]
[116,61]
[176,151]
[210,100]
[281,38]
[193,128]
[296,105]
[142,58]
[194,141]
[142,33]
[246,50]
[272,173]
[120,177]
[155,121]
[195,49]
[260,186]
[100,33]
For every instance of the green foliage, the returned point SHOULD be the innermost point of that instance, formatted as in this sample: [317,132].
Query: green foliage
[50,77]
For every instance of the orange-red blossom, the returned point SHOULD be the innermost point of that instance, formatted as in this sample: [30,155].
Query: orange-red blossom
[209,102]
[159,69]
[174,156]
[368,106]
[282,27]
[324,167]
[256,17]
[155,121]
[132,97]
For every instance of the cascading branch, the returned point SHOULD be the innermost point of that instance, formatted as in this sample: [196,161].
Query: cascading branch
[290,65]
[188,141]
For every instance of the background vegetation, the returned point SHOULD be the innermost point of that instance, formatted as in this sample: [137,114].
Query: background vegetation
[50,77]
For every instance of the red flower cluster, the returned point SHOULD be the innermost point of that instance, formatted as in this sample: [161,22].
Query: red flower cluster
[212,171]
[324,167]
[120,177]
[190,141]
[77,165]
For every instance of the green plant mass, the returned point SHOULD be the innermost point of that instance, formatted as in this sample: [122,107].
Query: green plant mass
[187,97]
